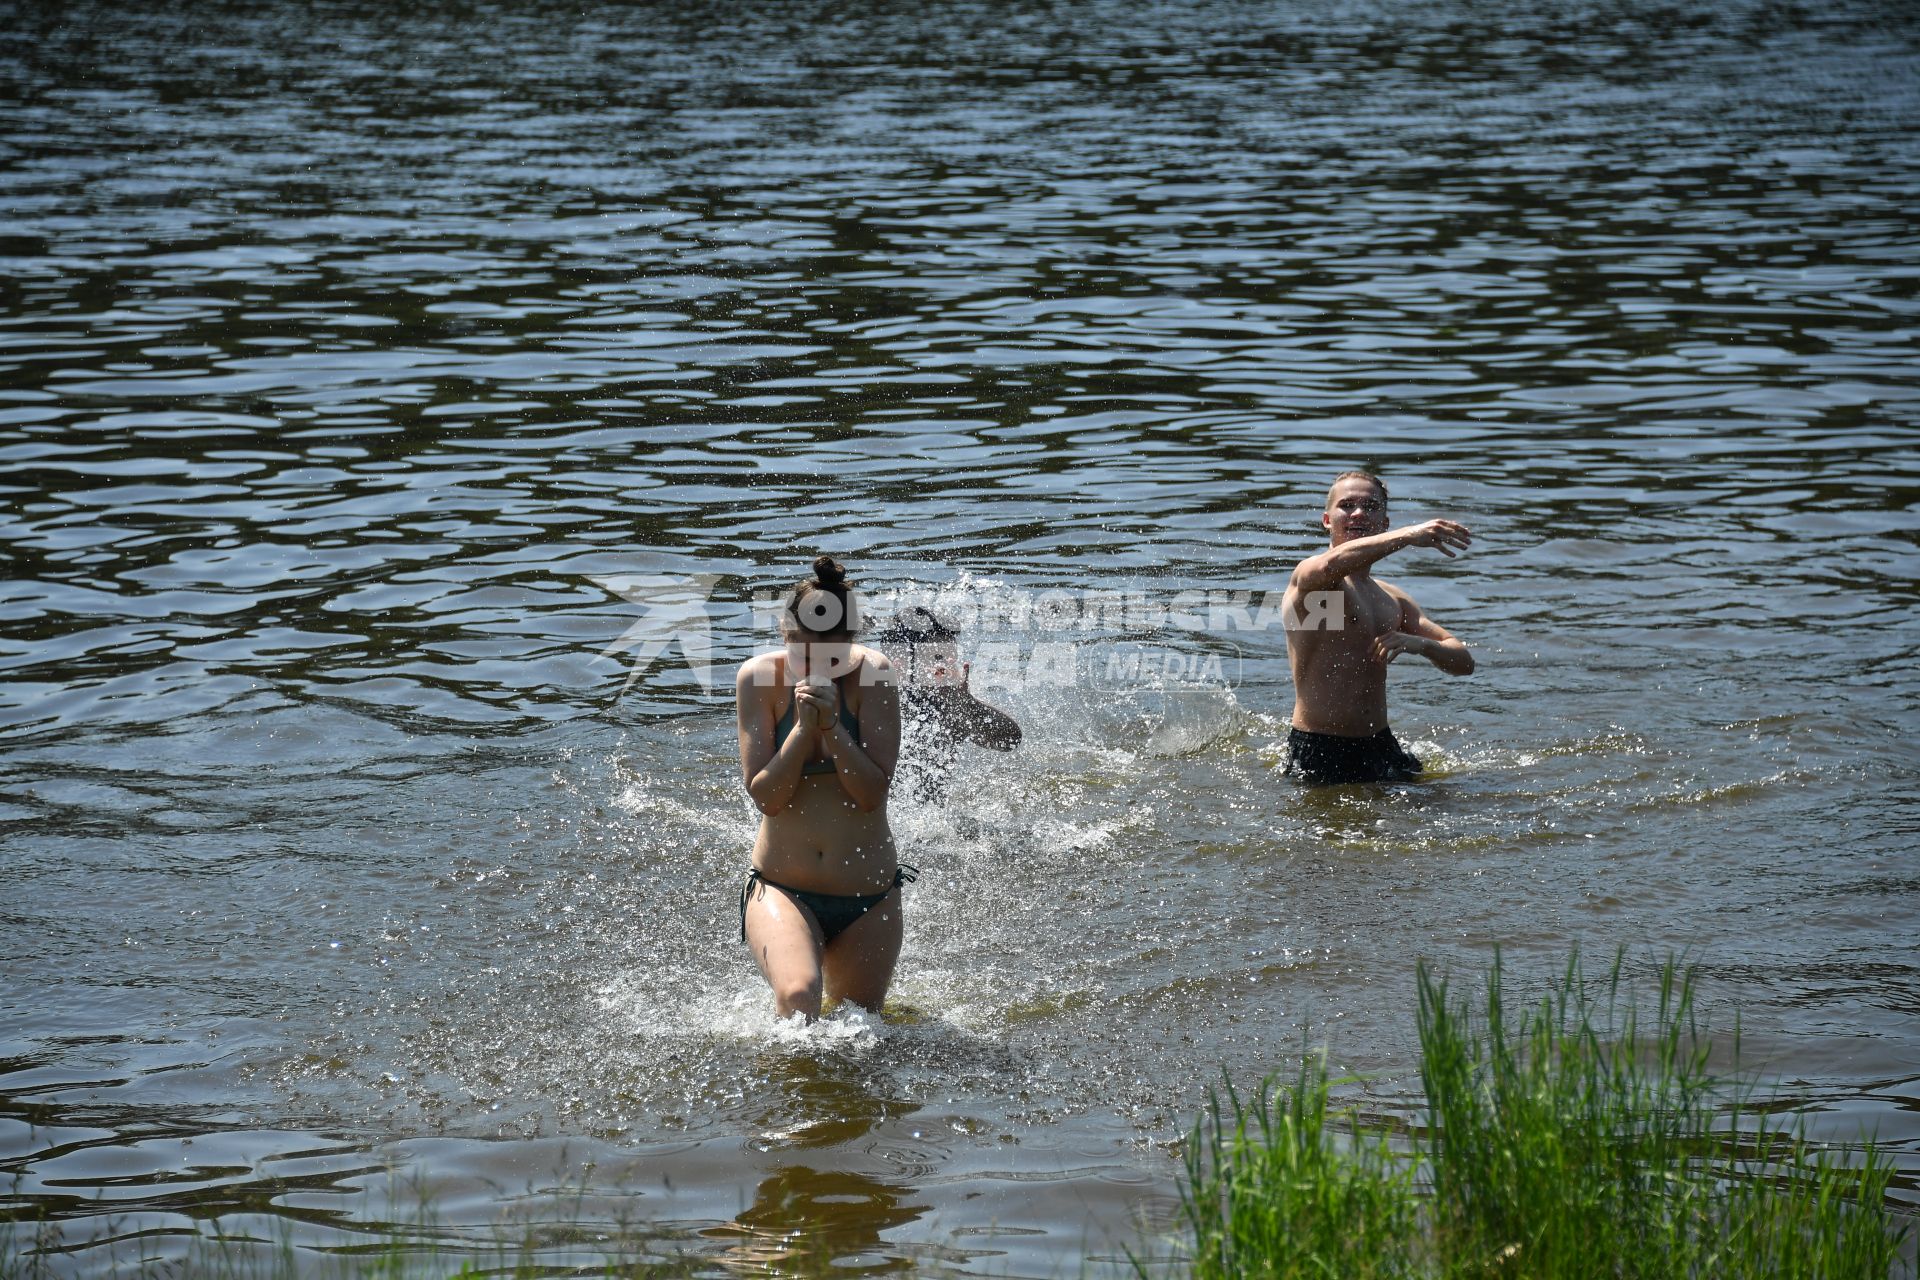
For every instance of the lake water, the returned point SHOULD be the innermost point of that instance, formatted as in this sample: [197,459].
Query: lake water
[367,373]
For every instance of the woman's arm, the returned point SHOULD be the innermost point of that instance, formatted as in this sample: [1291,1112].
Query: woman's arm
[866,767]
[770,771]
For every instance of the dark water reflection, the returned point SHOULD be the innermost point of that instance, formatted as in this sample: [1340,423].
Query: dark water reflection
[359,365]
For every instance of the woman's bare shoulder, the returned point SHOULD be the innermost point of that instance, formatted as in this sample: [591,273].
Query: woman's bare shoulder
[761,671]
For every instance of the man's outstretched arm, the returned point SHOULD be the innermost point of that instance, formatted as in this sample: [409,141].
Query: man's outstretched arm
[1331,567]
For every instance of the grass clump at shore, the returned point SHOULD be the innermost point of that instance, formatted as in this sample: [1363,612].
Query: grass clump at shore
[1575,1140]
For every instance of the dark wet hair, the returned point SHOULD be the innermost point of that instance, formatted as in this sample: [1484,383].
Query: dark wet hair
[910,629]
[819,618]
[915,626]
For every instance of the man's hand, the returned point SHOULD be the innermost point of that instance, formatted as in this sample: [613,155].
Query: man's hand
[1394,643]
[1441,535]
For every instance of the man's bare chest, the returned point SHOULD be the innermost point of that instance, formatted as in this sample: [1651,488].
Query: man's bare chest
[1370,610]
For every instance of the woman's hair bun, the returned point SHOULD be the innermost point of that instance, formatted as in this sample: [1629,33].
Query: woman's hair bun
[823,605]
[829,572]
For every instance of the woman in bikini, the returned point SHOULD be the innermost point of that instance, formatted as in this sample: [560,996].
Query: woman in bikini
[819,737]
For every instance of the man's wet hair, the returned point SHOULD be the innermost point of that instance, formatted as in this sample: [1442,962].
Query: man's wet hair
[913,626]
[1378,483]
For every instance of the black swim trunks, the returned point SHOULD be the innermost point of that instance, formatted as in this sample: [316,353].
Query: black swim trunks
[1328,757]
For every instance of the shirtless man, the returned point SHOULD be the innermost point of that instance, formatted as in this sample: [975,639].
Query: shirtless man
[1339,643]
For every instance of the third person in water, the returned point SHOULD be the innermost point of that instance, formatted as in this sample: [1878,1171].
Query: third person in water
[1344,627]
[939,710]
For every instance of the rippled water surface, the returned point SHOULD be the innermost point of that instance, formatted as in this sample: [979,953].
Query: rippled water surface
[368,372]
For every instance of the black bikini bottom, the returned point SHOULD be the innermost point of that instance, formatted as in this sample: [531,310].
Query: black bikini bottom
[1328,757]
[833,912]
